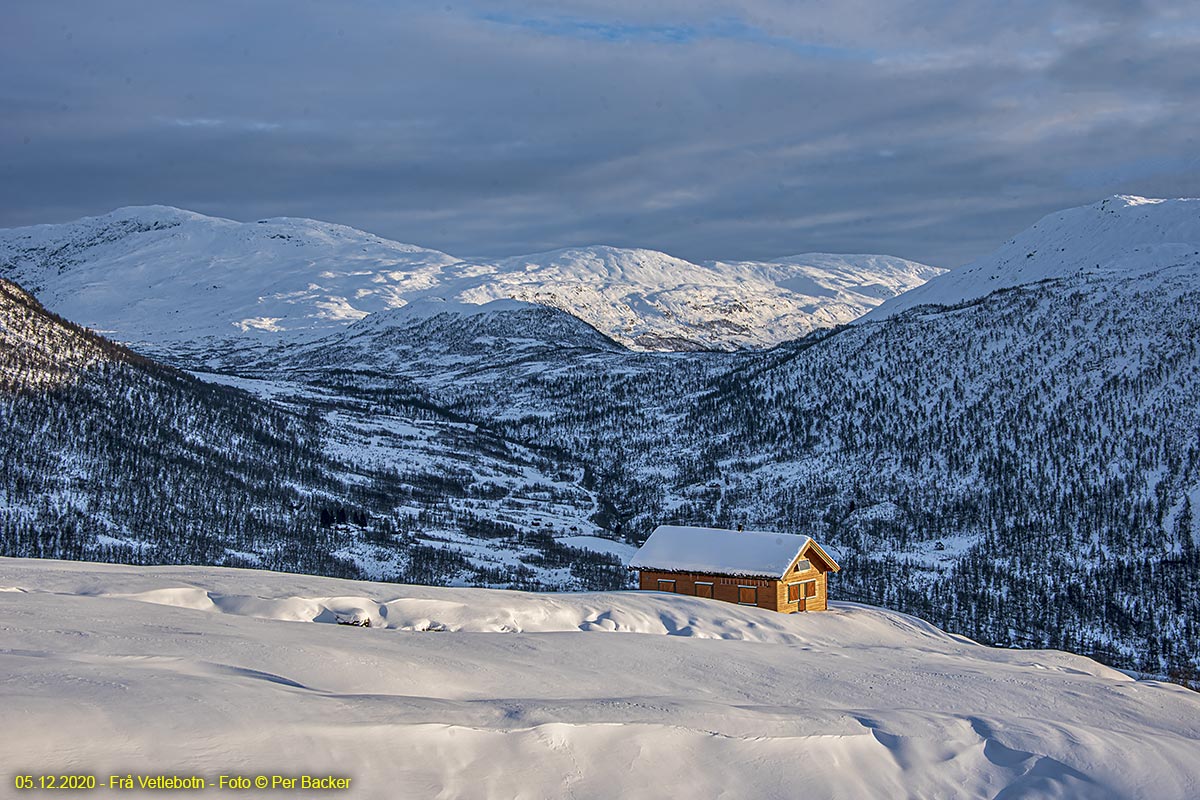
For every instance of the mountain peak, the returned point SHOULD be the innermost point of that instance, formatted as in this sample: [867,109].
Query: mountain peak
[1131,200]
[154,210]
[1122,235]
[147,214]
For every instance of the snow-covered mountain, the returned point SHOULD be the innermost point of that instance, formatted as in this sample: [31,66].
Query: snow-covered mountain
[429,338]
[163,277]
[652,301]
[1121,236]
[160,275]
[475,693]
[1021,468]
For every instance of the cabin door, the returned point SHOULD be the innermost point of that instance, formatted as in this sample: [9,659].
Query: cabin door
[799,593]
[808,590]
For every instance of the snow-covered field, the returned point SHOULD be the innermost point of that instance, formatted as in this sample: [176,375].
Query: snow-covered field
[477,693]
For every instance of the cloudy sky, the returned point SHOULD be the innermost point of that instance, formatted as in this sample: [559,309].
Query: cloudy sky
[931,129]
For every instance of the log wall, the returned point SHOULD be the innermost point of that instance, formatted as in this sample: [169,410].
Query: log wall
[768,593]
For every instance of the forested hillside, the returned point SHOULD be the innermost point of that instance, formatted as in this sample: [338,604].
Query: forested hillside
[109,456]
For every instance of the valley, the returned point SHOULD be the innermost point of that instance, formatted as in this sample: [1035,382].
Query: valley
[1018,463]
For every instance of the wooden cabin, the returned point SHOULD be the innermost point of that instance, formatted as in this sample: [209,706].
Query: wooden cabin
[780,571]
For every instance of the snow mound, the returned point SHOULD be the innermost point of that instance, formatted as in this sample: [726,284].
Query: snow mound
[475,693]
[498,611]
[1120,236]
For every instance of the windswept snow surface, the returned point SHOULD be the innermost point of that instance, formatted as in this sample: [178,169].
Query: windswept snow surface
[478,693]
[163,277]
[1122,235]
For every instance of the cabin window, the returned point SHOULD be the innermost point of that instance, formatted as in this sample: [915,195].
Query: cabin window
[704,589]
[808,589]
[666,586]
[748,595]
[793,592]
[803,565]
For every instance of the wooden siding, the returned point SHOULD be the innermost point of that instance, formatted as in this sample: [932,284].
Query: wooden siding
[772,594]
[723,587]
[820,599]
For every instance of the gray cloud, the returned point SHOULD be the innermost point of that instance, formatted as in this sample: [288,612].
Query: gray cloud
[927,129]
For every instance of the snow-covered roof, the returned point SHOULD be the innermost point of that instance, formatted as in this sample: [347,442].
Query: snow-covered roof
[680,548]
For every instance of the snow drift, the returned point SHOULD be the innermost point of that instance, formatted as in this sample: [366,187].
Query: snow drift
[479,693]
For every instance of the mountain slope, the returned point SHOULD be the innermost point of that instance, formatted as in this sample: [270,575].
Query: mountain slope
[176,281]
[1122,236]
[428,336]
[39,350]
[107,455]
[220,672]
[1021,469]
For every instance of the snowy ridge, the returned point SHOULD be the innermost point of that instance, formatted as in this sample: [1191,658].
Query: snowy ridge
[210,671]
[158,275]
[429,337]
[1122,236]
[653,301]
[161,276]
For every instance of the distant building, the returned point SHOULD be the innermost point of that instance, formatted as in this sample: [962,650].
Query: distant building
[780,571]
